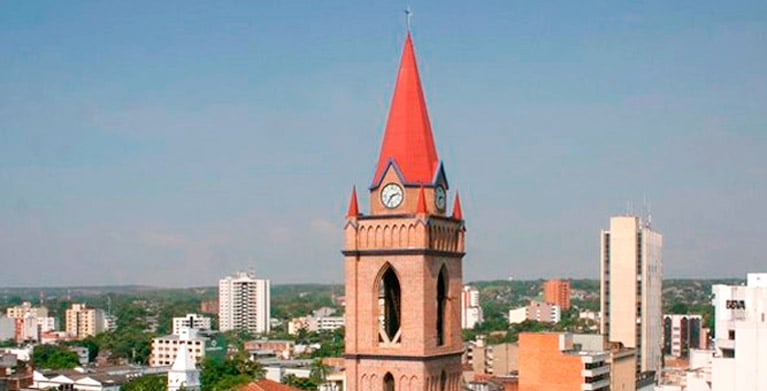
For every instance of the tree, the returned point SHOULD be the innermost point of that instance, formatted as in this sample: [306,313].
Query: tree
[147,383]
[303,383]
[221,375]
[54,357]
[319,372]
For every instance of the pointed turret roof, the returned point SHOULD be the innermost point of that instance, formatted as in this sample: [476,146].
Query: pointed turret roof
[408,142]
[184,360]
[421,206]
[457,212]
[354,209]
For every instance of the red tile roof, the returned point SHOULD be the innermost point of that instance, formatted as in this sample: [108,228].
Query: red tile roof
[408,142]
[267,385]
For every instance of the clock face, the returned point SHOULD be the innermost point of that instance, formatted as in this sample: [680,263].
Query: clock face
[391,195]
[440,198]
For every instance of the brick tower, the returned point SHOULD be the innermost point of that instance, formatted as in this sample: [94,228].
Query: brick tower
[403,260]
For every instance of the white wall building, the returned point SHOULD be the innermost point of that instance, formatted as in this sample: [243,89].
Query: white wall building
[244,303]
[471,312]
[190,321]
[741,336]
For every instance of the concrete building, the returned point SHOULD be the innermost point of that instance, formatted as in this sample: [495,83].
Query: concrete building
[536,311]
[682,333]
[29,322]
[403,260]
[190,321]
[480,359]
[741,336]
[315,324]
[82,321]
[26,309]
[471,312]
[557,292]
[244,303]
[165,349]
[632,271]
[550,361]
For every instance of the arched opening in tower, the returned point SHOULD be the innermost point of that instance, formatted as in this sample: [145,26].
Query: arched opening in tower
[441,305]
[388,382]
[389,299]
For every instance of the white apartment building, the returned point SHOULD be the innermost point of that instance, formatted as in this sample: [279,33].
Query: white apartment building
[471,312]
[190,321]
[165,349]
[244,303]
[740,358]
[537,311]
[631,285]
[82,321]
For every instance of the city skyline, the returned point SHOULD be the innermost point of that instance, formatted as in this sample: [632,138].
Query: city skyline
[201,140]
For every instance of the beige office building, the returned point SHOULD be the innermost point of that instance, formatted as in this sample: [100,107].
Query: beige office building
[82,321]
[632,272]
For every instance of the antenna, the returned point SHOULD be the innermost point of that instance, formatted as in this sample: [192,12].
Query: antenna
[408,15]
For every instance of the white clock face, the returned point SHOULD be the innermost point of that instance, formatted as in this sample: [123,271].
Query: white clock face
[391,195]
[440,198]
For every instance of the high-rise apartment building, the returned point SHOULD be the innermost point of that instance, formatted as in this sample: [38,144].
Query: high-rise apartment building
[557,292]
[82,321]
[403,260]
[244,303]
[471,312]
[632,272]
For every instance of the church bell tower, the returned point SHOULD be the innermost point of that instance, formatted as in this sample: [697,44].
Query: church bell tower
[403,260]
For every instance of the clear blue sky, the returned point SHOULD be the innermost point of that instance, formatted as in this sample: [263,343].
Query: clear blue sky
[171,143]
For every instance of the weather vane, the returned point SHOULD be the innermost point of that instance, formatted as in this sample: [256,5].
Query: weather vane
[408,15]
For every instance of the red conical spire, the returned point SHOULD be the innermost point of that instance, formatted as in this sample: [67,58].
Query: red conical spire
[354,210]
[408,140]
[421,207]
[457,212]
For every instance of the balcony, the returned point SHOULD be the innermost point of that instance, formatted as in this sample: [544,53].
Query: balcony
[597,385]
[595,371]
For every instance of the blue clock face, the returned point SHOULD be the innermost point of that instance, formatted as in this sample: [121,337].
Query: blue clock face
[391,195]
[440,198]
